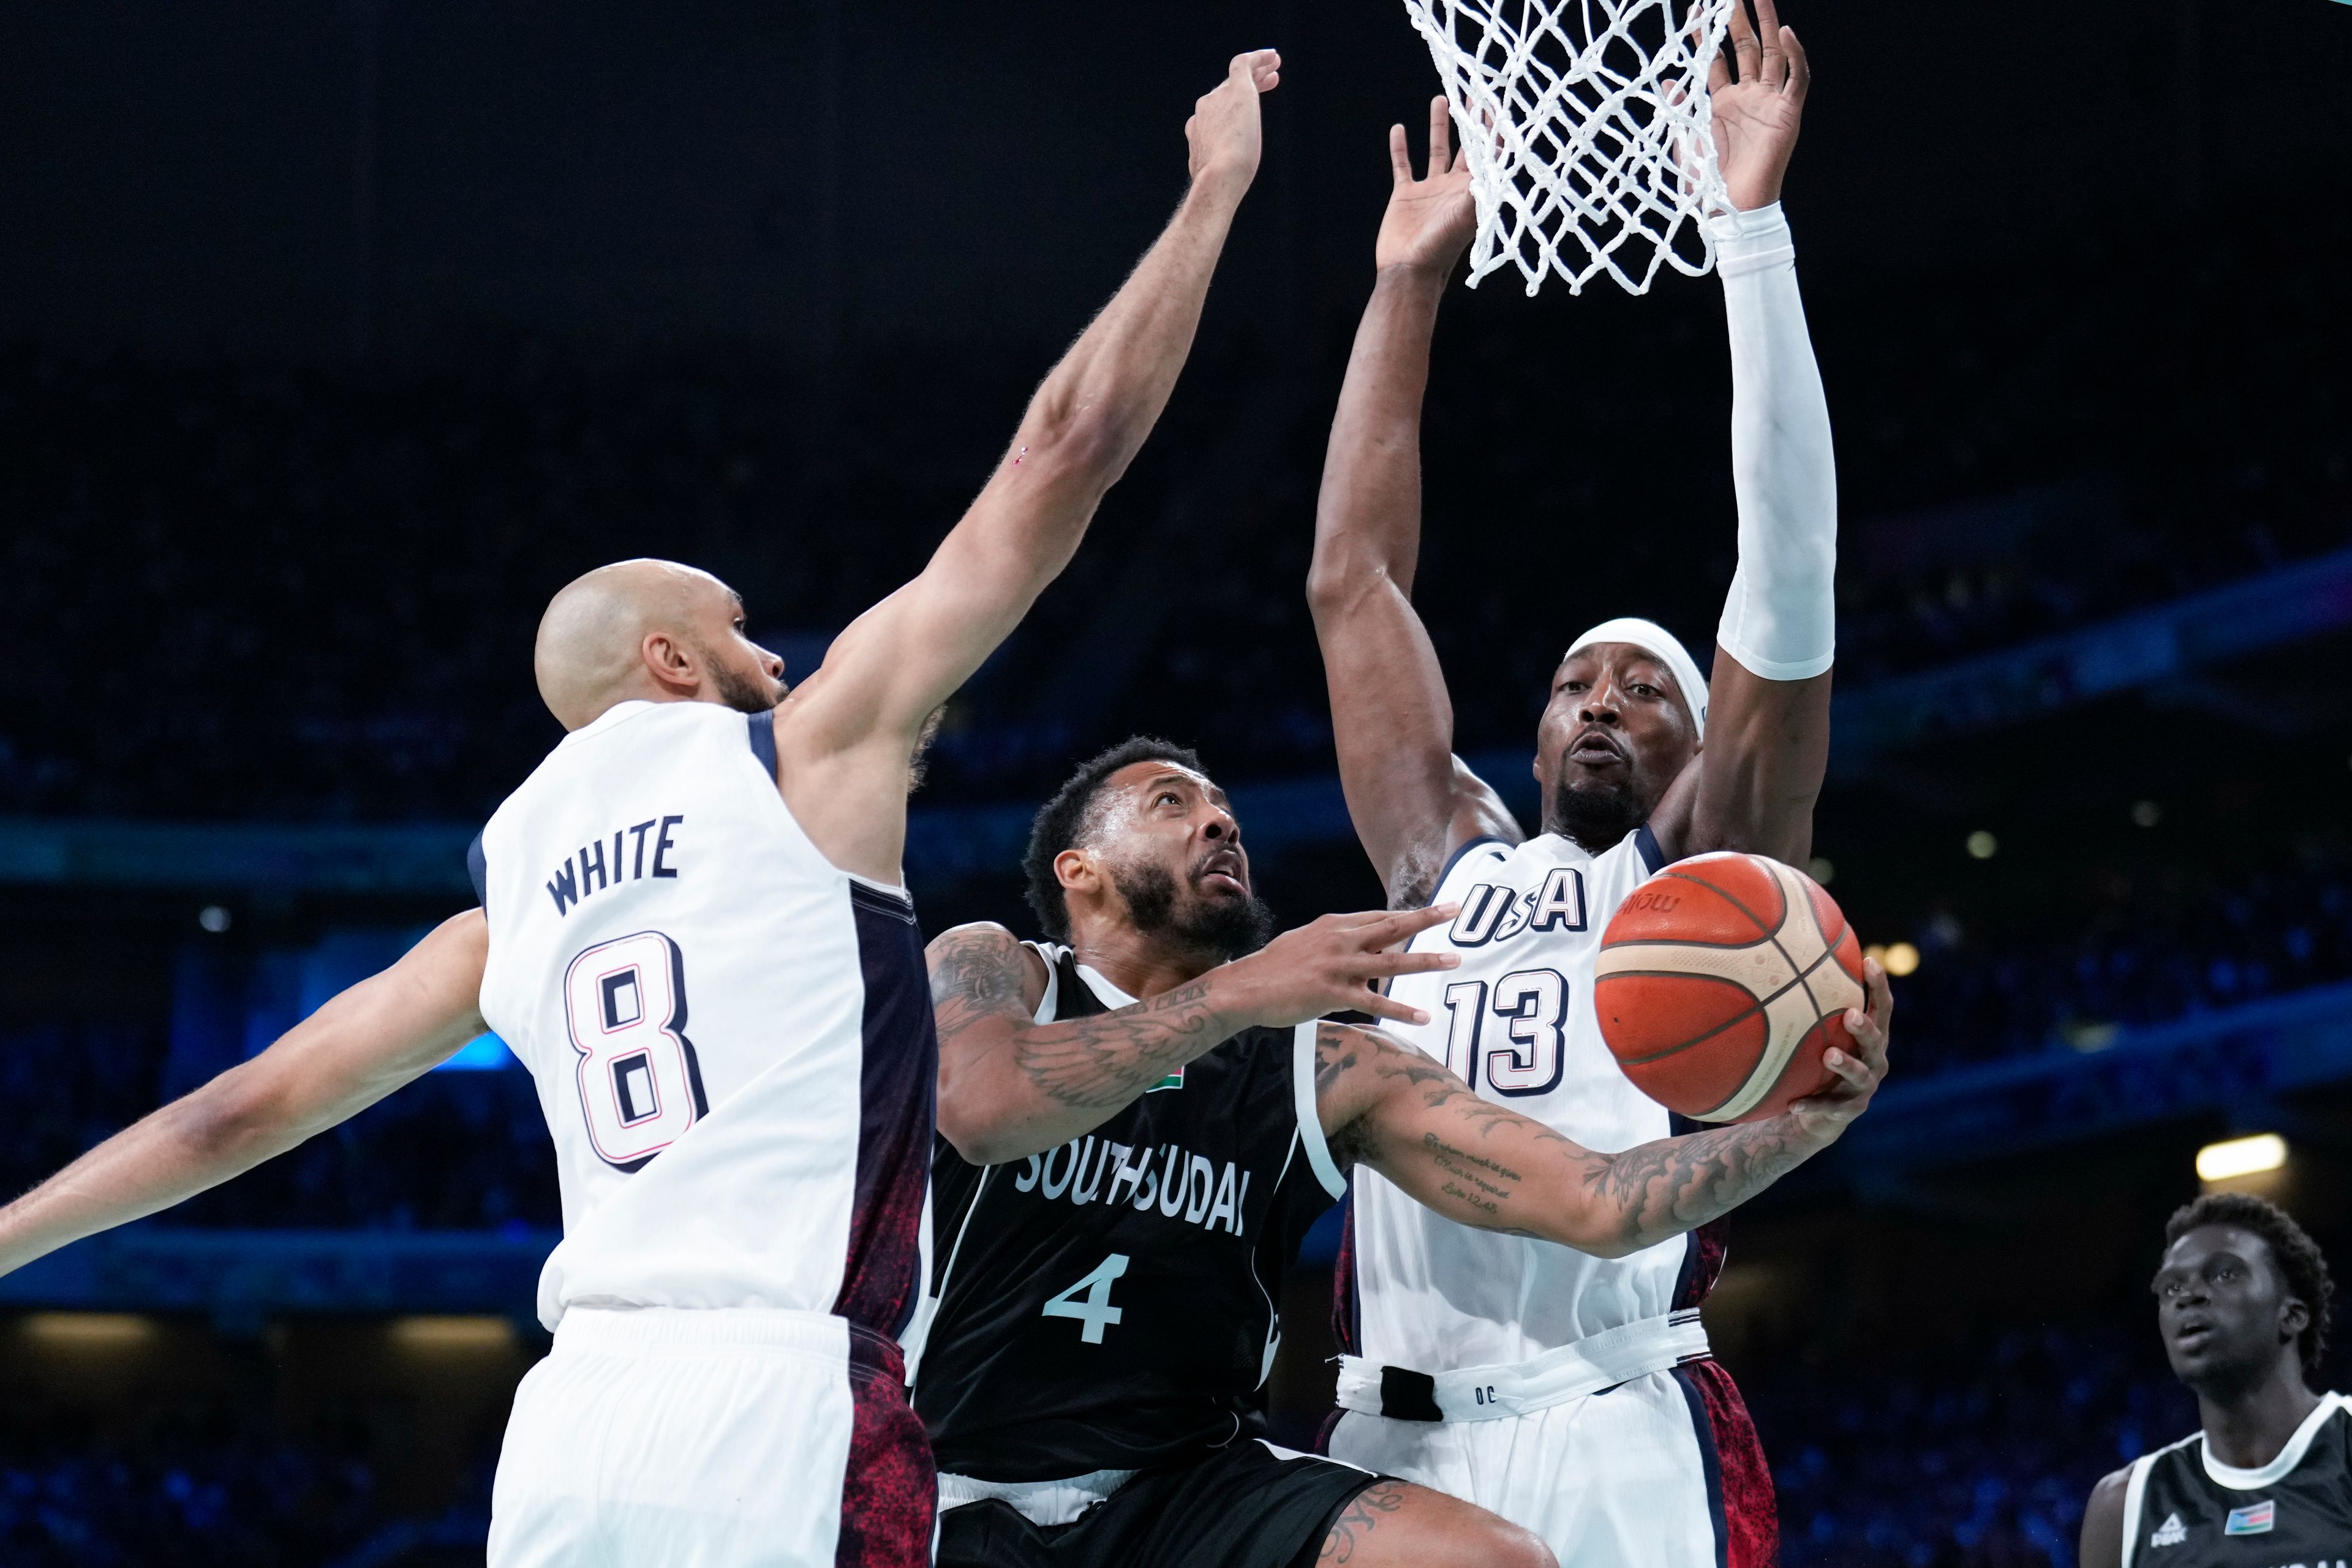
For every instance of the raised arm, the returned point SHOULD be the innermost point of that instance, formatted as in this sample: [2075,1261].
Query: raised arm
[1769,702]
[1411,800]
[845,735]
[1011,1086]
[1484,1165]
[352,1052]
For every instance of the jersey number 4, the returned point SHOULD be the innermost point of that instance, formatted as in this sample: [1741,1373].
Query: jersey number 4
[1095,1312]
[640,1085]
[1532,1005]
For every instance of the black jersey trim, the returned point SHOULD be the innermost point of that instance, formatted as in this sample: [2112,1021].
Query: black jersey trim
[477,870]
[763,730]
[1653,852]
[1455,859]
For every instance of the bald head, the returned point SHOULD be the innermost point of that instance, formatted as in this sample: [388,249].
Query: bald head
[648,630]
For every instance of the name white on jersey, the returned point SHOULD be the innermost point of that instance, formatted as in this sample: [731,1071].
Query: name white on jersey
[695,989]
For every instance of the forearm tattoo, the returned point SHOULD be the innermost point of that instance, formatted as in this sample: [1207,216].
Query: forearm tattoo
[1521,1177]
[1091,1064]
[1675,1184]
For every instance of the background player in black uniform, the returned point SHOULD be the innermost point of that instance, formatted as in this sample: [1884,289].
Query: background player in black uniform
[2241,1300]
[1121,1184]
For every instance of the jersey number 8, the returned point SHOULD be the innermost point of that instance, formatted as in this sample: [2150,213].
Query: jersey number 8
[640,1085]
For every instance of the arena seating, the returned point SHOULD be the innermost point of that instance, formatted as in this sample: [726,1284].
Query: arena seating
[414,518]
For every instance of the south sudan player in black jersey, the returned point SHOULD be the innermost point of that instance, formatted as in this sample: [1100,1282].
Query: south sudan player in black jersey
[2242,1300]
[1121,1182]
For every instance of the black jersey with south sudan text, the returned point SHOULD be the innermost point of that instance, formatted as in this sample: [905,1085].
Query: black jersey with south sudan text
[2184,1509]
[1112,1304]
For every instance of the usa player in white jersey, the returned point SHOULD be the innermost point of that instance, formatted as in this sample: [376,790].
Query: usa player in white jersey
[1573,1394]
[694,937]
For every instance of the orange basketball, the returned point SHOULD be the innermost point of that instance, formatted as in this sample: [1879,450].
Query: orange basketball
[1722,981]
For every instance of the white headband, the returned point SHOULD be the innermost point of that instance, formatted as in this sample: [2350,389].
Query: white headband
[1663,646]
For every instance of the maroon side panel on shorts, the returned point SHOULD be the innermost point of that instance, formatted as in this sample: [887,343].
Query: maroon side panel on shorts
[1346,1310]
[1738,1483]
[890,1489]
[898,1085]
[1703,1253]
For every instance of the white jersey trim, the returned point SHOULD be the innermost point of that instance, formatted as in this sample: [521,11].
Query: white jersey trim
[1310,1117]
[2279,1468]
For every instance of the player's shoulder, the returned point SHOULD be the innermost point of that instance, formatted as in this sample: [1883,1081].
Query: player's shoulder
[984,957]
[2102,1542]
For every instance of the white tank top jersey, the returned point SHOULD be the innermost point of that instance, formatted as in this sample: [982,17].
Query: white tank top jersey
[1515,1022]
[769,1145]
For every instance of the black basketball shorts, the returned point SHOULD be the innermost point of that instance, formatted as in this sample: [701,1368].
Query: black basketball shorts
[1249,1506]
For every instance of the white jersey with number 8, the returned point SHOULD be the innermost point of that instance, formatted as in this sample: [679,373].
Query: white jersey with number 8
[731,1037]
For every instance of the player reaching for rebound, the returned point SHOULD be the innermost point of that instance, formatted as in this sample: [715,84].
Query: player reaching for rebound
[2242,1300]
[1145,1115]
[1568,1392]
[744,1178]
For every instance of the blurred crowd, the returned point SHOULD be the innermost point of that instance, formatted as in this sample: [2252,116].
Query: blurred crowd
[309,591]
[201,1484]
[2143,951]
[1979,1454]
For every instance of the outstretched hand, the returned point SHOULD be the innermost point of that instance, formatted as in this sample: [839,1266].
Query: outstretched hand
[1331,965]
[1757,115]
[1821,1117]
[1430,220]
[1224,133]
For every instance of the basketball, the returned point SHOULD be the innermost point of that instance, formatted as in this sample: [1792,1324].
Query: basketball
[1722,981]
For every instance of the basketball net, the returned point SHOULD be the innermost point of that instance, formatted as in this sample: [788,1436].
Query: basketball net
[1572,114]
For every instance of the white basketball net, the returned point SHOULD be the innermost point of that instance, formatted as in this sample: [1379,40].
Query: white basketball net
[1571,113]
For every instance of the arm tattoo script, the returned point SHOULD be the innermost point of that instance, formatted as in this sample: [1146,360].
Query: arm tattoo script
[1376,1502]
[1094,1063]
[1517,1176]
[1675,1184]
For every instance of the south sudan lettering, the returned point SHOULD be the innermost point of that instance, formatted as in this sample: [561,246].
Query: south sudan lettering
[1181,1185]
[587,872]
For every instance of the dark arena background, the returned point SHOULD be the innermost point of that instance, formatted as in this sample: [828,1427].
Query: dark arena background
[335,337]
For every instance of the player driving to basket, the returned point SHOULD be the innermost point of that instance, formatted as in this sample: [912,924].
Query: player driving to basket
[1568,1392]
[1140,1118]
[743,1184]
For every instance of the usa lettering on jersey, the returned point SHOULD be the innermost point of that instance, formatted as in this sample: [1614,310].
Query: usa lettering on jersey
[1495,912]
[1180,1183]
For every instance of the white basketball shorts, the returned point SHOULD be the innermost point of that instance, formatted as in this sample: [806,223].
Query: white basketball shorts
[1662,1471]
[712,1438]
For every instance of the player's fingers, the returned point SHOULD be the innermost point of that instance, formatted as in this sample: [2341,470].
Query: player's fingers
[1381,965]
[1801,69]
[1881,992]
[1773,64]
[1718,74]
[1399,156]
[1381,1007]
[1402,923]
[1853,1071]
[1441,139]
[1744,47]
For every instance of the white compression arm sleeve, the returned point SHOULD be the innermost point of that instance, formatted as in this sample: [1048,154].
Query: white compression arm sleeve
[1781,620]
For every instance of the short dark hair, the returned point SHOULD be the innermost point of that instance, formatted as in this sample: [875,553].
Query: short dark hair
[1062,821]
[2297,1255]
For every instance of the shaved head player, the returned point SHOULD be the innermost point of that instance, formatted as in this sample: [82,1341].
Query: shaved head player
[744,1177]
[1571,1394]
